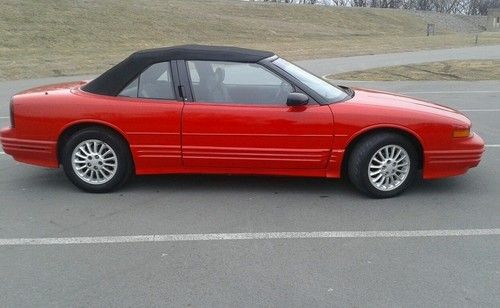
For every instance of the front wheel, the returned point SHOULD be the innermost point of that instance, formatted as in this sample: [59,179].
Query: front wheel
[383,165]
[96,160]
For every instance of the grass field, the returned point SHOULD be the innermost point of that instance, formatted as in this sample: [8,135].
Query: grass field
[67,37]
[468,70]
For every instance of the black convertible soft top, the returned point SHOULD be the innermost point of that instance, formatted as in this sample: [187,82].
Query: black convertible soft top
[116,78]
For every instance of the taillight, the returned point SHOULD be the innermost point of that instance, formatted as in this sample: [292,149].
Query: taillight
[11,107]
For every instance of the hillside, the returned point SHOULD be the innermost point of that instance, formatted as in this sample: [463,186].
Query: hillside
[454,23]
[61,37]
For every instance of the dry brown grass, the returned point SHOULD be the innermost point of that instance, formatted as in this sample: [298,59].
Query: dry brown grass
[67,37]
[447,70]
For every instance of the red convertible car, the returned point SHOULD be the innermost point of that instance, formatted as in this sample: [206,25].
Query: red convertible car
[208,109]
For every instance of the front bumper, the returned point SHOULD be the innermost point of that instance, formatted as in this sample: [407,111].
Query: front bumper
[464,155]
[34,152]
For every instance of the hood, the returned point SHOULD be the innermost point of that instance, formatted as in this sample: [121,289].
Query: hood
[401,102]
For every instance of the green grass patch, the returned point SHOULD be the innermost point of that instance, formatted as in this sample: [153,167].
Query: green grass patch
[468,70]
[68,37]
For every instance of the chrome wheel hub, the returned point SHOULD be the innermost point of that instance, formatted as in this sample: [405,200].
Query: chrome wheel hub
[94,161]
[389,167]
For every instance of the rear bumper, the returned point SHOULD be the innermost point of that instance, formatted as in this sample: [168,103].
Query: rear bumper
[464,155]
[34,152]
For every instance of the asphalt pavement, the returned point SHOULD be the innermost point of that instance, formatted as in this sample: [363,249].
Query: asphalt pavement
[449,266]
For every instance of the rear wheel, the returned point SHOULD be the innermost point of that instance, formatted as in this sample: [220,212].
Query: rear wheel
[96,160]
[383,165]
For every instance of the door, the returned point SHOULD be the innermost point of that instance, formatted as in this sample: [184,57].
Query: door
[238,118]
[153,110]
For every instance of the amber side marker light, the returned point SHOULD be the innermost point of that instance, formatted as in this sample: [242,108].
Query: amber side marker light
[461,133]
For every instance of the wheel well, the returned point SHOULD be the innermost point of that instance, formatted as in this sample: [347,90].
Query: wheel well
[69,131]
[358,139]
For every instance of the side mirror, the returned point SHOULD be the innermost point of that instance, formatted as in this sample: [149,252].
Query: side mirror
[297,99]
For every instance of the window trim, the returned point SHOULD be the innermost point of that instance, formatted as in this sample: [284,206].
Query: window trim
[184,83]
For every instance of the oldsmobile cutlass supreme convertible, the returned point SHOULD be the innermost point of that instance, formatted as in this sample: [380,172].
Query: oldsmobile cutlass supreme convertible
[208,109]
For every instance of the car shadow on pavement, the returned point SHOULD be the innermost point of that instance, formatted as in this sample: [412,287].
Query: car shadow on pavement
[275,184]
[56,182]
[238,183]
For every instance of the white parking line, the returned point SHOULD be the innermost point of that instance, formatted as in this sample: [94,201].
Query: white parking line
[479,110]
[462,92]
[4,117]
[244,236]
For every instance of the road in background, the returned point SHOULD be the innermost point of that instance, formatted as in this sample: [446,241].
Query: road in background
[347,64]
[320,67]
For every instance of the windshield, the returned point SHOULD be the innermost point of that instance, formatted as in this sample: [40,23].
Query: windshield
[328,91]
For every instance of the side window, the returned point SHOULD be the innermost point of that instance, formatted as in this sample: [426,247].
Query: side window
[131,89]
[234,82]
[153,82]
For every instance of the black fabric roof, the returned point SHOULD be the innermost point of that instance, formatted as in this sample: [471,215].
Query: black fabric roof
[116,78]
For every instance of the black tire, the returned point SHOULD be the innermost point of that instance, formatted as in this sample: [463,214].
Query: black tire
[362,154]
[122,171]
